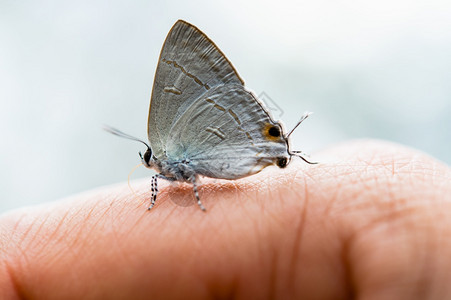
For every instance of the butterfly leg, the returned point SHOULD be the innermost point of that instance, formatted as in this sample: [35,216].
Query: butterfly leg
[154,188]
[154,191]
[196,193]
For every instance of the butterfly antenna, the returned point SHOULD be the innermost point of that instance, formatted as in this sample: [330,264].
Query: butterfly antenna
[123,135]
[304,116]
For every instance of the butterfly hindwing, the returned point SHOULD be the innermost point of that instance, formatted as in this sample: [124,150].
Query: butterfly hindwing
[226,133]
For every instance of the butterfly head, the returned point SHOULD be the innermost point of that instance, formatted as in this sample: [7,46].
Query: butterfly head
[147,157]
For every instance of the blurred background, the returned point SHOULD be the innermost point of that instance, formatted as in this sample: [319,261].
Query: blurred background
[368,69]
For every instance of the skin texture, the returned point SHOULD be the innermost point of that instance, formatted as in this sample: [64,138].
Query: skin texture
[372,221]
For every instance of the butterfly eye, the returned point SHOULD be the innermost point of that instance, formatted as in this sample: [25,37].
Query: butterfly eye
[147,156]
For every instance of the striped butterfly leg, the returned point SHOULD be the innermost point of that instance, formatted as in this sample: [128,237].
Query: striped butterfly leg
[196,193]
[154,188]
[154,191]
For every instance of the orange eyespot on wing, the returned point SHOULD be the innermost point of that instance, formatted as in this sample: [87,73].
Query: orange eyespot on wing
[272,132]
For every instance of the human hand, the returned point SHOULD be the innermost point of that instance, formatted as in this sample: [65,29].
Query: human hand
[372,221]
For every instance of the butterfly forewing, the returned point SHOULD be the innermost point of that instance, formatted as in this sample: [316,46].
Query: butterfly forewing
[190,64]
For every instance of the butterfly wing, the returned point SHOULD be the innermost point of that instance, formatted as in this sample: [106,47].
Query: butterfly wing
[190,64]
[226,133]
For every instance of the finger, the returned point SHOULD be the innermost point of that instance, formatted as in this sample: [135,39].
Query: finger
[278,233]
[397,227]
[106,244]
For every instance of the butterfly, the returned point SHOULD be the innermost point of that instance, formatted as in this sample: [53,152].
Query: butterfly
[202,119]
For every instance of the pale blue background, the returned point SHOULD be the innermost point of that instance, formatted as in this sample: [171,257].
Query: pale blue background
[379,69]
